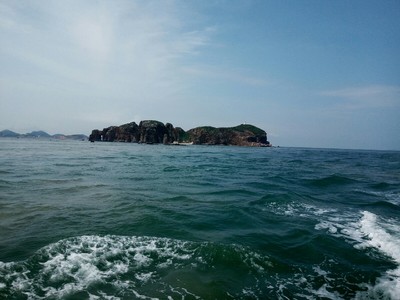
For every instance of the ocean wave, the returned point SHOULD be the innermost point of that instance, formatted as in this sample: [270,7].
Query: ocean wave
[127,267]
[381,186]
[370,232]
[283,205]
[365,231]
[392,197]
[383,236]
[392,207]
[332,180]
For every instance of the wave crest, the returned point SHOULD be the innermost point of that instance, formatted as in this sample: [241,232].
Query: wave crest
[121,266]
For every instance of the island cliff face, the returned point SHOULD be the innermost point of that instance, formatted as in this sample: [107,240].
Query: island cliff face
[242,135]
[148,132]
[155,132]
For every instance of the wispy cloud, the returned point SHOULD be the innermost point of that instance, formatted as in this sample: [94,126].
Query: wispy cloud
[128,52]
[233,75]
[366,96]
[101,33]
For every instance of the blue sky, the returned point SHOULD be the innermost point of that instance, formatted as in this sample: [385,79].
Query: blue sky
[310,73]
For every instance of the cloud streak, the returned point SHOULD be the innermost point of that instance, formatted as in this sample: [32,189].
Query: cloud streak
[234,75]
[366,96]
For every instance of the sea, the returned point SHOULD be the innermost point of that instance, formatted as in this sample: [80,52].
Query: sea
[81,220]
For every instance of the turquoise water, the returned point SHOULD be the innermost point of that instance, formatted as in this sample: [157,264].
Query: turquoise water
[82,220]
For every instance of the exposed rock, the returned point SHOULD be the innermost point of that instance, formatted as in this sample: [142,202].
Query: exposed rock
[170,136]
[180,134]
[242,135]
[155,132]
[129,132]
[148,132]
[152,132]
[95,135]
[110,134]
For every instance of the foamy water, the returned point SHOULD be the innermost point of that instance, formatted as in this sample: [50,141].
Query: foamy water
[118,265]
[376,236]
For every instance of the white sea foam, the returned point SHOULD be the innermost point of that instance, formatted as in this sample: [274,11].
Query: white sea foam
[75,264]
[376,234]
[383,236]
[322,292]
[306,287]
[144,277]
[98,265]
[369,231]
[298,209]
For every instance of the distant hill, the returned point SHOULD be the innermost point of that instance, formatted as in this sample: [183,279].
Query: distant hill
[37,134]
[41,134]
[8,133]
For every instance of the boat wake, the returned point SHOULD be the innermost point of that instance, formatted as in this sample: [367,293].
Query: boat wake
[378,237]
[133,267]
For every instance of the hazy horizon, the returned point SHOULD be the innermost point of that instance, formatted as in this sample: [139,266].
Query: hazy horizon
[322,74]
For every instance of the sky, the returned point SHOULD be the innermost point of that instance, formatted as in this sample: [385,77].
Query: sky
[310,73]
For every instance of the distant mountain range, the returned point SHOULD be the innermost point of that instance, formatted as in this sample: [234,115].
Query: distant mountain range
[42,134]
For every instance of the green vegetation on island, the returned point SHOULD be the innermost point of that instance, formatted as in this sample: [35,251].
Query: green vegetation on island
[156,132]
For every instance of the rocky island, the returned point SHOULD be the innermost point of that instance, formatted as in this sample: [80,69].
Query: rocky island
[155,132]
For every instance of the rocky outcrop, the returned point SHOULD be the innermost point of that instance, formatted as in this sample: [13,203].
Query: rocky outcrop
[148,132]
[155,132]
[152,132]
[242,135]
[124,133]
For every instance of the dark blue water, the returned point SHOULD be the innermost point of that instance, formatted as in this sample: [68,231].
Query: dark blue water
[83,220]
